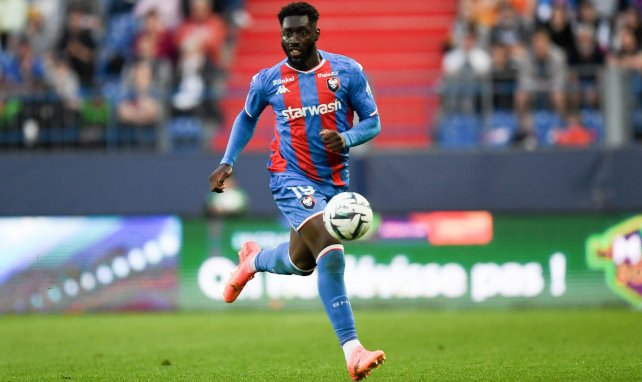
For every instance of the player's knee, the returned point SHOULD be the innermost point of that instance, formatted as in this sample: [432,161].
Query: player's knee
[333,259]
[303,268]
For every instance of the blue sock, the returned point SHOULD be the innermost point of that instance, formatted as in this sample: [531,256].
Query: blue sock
[277,260]
[332,290]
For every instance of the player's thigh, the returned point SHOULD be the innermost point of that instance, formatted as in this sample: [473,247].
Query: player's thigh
[302,202]
[315,236]
[298,199]
[300,254]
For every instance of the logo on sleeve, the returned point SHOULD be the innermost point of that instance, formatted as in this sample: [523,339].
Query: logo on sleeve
[308,202]
[333,83]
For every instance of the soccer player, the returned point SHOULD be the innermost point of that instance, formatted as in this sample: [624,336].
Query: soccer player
[314,95]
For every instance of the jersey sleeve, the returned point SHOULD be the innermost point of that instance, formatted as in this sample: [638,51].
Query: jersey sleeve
[256,100]
[361,96]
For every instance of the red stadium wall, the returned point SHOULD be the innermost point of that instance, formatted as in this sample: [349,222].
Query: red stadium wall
[399,45]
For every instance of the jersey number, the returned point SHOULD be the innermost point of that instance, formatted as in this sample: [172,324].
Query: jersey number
[300,191]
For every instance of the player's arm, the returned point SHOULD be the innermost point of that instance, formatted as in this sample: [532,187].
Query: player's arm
[369,124]
[360,133]
[242,130]
[363,131]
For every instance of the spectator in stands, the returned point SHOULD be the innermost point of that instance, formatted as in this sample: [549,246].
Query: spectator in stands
[630,18]
[94,12]
[542,77]
[24,72]
[13,18]
[79,46]
[525,8]
[42,32]
[203,28]
[236,18]
[113,8]
[627,51]
[588,16]
[467,57]
[64,83]
[630,3]
[511,29]
[465,68]
[605,9]
[141,104]
[560,31]
[192,76]
[147,50]
[168,11]
[503,77]
[585,63]
[154,30]
[117,42]
[235,13]
[486,12]
[464,21]
[574,134]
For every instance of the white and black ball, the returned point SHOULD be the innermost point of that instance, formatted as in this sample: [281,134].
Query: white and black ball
[347,216]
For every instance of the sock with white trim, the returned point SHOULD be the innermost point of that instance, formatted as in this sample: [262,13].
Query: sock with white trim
[332,290]
[277,260]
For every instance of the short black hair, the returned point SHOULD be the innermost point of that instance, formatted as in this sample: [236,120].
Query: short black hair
[299,9]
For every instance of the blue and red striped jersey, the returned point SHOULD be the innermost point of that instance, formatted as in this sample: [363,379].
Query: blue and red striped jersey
[304,103]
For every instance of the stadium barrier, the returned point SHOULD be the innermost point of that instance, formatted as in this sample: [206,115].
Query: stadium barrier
[436,259]
[594,179]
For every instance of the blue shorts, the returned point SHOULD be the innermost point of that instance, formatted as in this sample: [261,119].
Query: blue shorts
[299,198]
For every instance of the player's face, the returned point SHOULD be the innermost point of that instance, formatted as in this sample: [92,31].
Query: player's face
[298,39]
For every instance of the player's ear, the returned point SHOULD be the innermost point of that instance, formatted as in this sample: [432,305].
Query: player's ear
[317,33]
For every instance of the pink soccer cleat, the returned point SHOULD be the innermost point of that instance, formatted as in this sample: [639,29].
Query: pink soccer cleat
[363,361]
[243,272]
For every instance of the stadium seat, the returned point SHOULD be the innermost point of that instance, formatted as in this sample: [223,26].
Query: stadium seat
[59,136]
[459,131]
[501,128]
[11,137]
[544,123]
[185,134]
[594,121]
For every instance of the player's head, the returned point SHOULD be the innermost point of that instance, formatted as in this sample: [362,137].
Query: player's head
[299,32]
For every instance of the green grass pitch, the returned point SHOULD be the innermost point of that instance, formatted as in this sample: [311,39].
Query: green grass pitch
[421,345]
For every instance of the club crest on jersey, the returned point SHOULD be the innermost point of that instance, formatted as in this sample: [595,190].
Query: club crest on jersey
[333,83]
[308,202]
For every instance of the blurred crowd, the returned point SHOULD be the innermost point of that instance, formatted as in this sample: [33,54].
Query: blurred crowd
[129,64]
[532,69]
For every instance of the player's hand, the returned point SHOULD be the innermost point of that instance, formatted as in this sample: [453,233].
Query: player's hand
[218,176]
[333,140]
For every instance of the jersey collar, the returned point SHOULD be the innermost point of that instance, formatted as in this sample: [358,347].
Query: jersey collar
[311,70]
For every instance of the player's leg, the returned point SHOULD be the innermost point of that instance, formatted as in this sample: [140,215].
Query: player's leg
[294,199]
[289,258]
[330,261]
[329,256]
[277,259]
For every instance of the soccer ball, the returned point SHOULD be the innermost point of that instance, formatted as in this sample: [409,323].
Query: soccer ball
[347,216]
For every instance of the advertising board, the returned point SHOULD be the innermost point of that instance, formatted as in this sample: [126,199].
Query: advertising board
[462,259]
